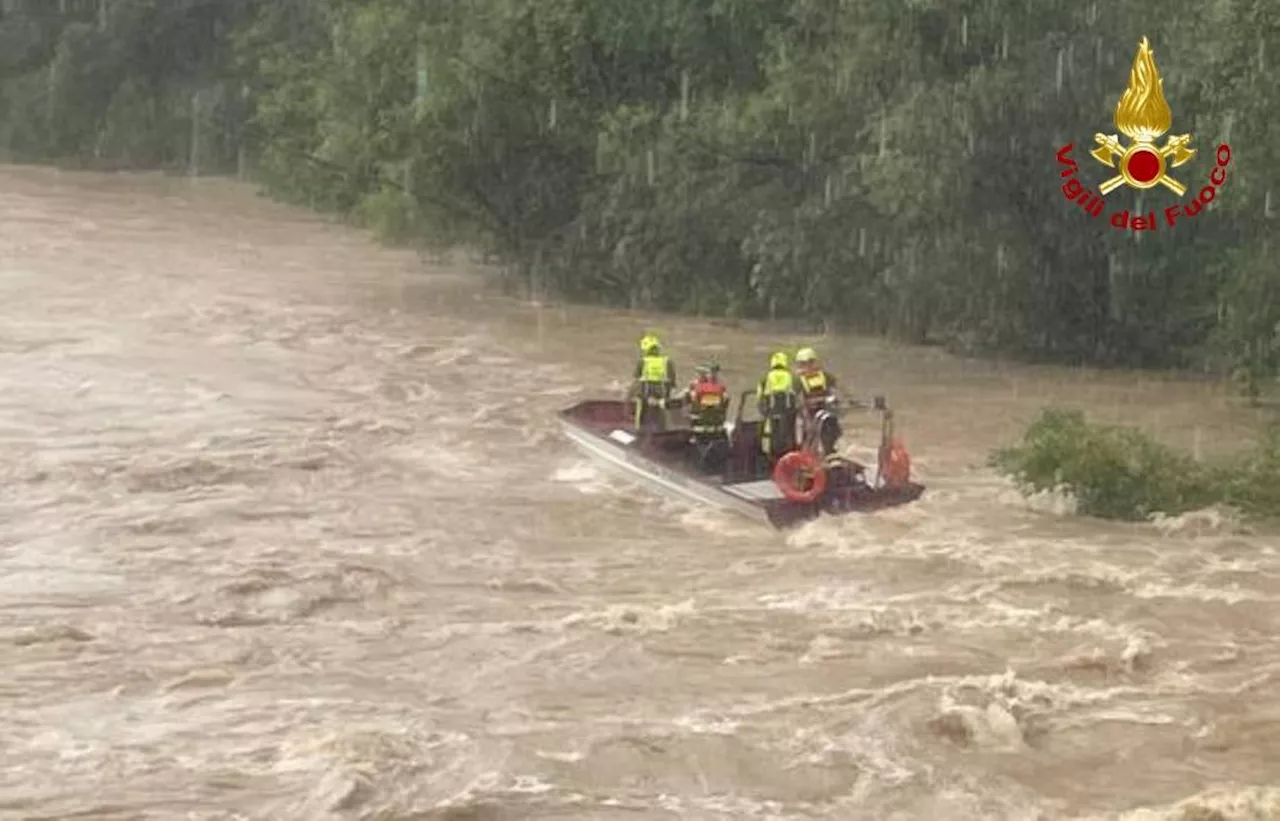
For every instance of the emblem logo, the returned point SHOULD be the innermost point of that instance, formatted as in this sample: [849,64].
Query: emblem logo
[1143,116]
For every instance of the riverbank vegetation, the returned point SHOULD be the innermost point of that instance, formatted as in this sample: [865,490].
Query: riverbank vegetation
[882,166]
[1122,473]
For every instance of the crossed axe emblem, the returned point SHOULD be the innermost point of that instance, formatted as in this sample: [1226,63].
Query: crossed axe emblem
[1174,153]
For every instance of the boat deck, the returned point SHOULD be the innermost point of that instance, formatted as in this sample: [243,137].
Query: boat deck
[665,459]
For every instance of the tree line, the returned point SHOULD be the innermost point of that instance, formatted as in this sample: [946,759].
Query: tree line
[884,166]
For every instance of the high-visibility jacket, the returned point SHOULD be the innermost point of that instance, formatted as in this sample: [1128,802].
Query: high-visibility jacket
[777,392]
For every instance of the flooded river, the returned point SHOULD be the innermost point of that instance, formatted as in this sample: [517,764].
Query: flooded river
[287,531]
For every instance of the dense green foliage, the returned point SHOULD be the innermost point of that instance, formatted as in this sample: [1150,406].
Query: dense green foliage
[881,165]
[1121,473]
[128,83]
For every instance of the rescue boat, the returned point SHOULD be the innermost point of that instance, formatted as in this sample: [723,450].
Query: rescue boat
[736,476]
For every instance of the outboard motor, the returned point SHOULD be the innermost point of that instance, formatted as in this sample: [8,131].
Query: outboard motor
[828,428]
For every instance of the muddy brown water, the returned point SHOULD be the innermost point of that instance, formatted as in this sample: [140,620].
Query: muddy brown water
[287,531]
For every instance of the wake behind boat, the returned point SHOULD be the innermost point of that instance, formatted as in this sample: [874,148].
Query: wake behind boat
[799,488]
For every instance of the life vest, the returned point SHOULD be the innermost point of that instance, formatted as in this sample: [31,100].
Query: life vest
[814,383]
[707,406]
[707,394]
[653,370]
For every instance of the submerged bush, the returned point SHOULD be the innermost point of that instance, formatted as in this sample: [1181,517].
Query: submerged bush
[1122,473]
[1252,482]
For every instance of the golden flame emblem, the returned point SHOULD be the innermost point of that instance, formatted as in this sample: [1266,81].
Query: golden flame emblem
[1143,116]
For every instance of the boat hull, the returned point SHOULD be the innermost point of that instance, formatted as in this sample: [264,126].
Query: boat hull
[635,465]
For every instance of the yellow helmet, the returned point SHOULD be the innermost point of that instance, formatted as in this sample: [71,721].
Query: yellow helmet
[649,342]
[778,360]
[806,355]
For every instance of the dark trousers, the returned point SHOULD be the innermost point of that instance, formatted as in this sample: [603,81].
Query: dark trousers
[651,411]
[710,450]
[778,434]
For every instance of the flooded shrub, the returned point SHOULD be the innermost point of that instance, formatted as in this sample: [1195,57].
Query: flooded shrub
[1113,472]
[1252,482]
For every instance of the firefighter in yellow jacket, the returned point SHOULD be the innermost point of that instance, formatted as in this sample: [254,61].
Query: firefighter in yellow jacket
[817,388]
[778,400]
[655,378]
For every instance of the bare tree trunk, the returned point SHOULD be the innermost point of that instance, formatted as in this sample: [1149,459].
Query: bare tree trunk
[193,161]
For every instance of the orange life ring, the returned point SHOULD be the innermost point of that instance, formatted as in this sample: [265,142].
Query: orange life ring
[789,475]
[895,465]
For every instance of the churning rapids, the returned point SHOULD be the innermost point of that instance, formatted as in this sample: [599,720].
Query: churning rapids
[288,532]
